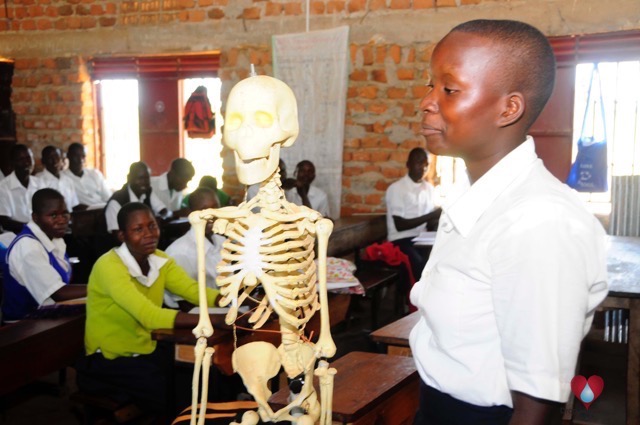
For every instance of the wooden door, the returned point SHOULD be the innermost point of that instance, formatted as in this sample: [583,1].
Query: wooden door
[159,123]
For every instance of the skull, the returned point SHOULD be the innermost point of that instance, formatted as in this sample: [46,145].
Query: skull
[261,116]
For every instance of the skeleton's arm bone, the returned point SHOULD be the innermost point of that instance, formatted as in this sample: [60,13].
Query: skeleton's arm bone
[204,326]
[325,346]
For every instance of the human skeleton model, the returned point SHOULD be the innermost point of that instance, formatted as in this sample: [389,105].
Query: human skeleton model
[270,242]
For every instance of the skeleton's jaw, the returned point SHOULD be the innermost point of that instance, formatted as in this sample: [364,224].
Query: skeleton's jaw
[256,170]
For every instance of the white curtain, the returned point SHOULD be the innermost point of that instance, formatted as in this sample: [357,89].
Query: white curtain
[315,66]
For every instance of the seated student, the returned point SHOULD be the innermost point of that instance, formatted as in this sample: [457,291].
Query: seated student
[183,250]
[410,209]
[286,183]
[90,185]
[169,186]
[37,271]
[17,189]
[210,182]
[304,193]
[53,177]
[137,189]
[124,304]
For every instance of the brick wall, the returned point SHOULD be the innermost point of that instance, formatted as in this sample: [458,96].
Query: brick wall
[391,42]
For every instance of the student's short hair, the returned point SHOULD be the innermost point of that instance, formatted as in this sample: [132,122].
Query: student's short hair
[75,146]
[182,166]
[41,197]
[137,166]
[126,211]
[16,150]
[527,58]
[49,150]
[197,195]
[209,182]
[417,152]
[303,163]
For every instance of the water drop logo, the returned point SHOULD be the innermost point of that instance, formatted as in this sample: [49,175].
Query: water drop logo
[587,390]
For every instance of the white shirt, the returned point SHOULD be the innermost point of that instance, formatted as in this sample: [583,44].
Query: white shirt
[171,198]
[15,199]
[184,252]
[317,198]
[510,288]
[407,199]
[155,264]
[30,267]
[113,207]
[91,187]
[64,185]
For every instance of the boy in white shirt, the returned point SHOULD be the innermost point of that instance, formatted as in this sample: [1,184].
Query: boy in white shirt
[17,189]
[183,250]
[90,185]
[38,271]
[53,177]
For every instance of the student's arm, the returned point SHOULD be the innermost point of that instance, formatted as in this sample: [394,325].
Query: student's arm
[529,410]
[69,292]
[180,283]
[10,224]
[29,265]
[111,217]
[410,223]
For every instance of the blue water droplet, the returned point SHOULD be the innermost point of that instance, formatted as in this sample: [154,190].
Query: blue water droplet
[587,396]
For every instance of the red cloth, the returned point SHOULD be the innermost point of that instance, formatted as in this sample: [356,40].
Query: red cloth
[390,254]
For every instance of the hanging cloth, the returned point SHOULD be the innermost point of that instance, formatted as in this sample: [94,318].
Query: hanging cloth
[589,171]
[199,120]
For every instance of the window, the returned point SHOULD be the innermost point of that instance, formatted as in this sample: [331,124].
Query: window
[620,82]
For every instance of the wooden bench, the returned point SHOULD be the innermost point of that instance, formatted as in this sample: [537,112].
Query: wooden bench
[370,388]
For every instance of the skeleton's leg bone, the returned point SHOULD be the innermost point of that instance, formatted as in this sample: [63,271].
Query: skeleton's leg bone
[206,366]
[199,349]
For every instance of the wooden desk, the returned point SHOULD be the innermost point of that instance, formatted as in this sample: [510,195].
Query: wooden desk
[30,349]
[358,231]
[623,266]
[370,388]
[396,335]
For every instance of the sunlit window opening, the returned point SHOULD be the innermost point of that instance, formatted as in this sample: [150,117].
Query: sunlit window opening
[120,128]
[203,153]
[620,82]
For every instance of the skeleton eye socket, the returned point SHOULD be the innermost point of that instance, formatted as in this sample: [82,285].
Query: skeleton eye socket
[233,121]
[263,119]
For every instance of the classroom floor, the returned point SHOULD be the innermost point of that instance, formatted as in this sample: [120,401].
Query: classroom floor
[47,402]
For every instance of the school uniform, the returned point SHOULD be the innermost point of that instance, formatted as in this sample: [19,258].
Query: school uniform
[509,291]
[63,184]
[183,251]
[124,196]
[91,187]
[15,199]
[36,267]
[317,198]
[123,307]
[171,198]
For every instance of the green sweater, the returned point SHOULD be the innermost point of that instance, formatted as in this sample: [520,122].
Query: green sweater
[121,312]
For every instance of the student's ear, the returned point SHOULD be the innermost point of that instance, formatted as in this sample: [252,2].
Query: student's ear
[513,109]
[121,236]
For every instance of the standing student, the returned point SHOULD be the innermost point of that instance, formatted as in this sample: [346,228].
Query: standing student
[90,185]
[17,189]
[37,271]
[519,266]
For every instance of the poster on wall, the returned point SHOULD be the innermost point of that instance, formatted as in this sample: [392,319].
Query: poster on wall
[315,65]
